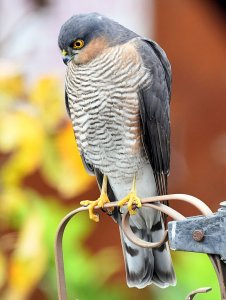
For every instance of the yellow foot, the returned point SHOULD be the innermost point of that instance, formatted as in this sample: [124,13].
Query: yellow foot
[133,202]
[100,202]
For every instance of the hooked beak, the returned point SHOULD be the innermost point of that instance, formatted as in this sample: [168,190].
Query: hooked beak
[66,56]
[66,59]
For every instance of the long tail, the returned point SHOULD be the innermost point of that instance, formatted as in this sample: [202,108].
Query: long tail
[146,266]
[143,266]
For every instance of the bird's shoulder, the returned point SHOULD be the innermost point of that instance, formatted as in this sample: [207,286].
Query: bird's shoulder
[155,59]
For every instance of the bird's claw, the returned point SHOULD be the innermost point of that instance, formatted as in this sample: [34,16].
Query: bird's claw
[132,201]
[100,202]
[91,205]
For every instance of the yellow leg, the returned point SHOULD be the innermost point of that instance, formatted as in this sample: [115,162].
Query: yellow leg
[103,199]
[132,199]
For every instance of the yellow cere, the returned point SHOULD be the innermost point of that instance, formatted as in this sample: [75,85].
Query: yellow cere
[78,44]
[64,52]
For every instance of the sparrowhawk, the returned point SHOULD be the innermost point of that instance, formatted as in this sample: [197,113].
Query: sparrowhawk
[117,94]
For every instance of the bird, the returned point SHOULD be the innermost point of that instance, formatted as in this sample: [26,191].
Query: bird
[117,95]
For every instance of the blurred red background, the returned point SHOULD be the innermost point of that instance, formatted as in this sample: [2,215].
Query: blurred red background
[193,35]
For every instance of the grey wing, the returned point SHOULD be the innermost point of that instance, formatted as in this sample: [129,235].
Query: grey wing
[89,168]
[154,111]
[67,103]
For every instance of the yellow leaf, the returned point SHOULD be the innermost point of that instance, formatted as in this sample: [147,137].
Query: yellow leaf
[74,178]
[11,79]
[14,204]
[28,262]
[22,134]
[2,269]
[47,96]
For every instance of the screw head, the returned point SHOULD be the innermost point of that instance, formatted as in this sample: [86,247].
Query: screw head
[198,235]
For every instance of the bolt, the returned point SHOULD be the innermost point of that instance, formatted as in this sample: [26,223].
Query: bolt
[198,235]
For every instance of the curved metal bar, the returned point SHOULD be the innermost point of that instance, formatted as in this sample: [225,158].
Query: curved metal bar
[62,295]
[144,244]
[201,206]
[219,268]
[198,291]
[61,284]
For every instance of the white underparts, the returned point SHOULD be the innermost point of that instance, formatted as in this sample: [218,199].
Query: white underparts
[104,107]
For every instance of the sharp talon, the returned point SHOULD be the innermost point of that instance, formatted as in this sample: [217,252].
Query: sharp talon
[134,206]
[95,218]
[132,210]
[108,211]
[119,210]
[138,204]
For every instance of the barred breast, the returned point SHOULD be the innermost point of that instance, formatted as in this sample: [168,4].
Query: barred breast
[104,107]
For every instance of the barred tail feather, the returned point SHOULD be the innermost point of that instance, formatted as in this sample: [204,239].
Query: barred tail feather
[164,275]
[145,266]
[139,263]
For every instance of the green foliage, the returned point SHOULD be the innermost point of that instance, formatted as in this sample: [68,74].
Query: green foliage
[193,271]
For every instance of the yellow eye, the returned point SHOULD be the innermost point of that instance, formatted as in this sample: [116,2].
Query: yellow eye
[78,44]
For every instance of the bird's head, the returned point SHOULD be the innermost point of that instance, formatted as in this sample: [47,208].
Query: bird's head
[85,36]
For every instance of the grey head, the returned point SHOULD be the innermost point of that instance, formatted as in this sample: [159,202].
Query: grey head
[85,36]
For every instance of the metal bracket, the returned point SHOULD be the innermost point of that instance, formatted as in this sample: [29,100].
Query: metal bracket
[195,232]
[205,234]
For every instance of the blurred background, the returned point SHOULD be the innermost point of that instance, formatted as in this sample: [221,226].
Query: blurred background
[41,174]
